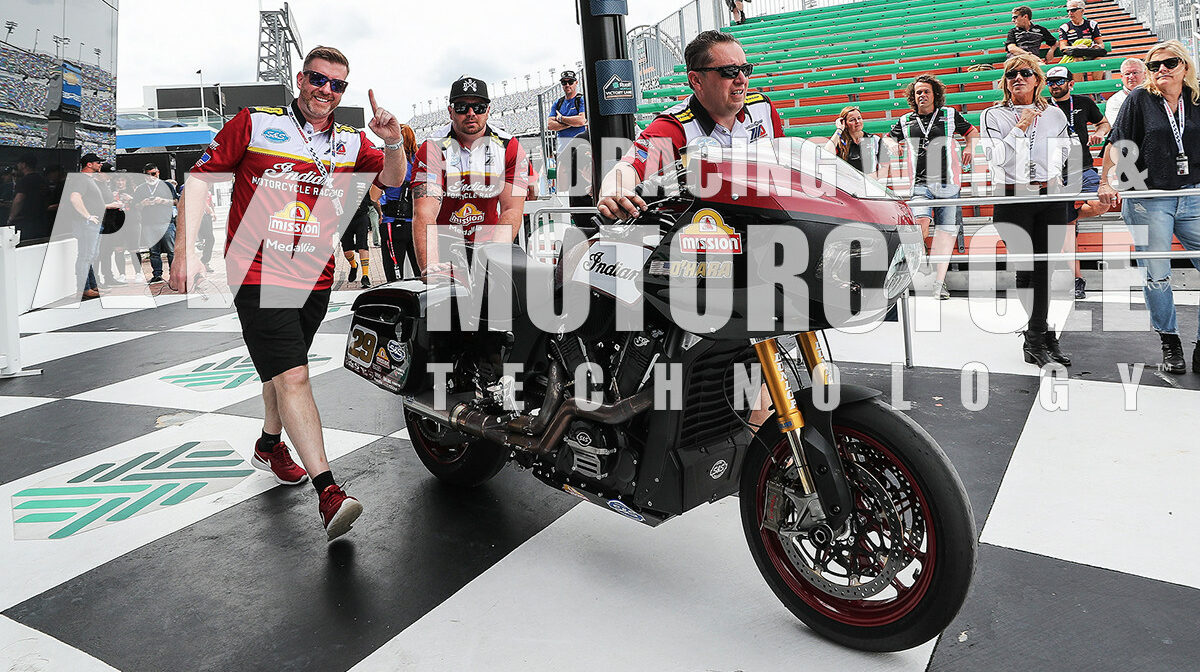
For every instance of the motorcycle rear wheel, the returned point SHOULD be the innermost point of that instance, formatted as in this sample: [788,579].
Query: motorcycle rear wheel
[898,573]
[468,464]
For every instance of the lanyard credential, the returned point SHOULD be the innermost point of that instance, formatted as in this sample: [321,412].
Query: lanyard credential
[1031,134]
[1181,159]
[924,141]
[324,170]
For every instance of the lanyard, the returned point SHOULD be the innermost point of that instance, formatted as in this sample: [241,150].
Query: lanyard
[321,167]
[1032,134]
[925,131]
[1176,127]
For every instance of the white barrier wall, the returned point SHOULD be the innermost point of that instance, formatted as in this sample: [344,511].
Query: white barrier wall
[45,274]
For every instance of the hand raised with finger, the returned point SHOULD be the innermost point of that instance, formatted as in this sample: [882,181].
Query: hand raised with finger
[383,123]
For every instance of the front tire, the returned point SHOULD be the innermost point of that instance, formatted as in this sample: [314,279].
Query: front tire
[899,571]
[467,464]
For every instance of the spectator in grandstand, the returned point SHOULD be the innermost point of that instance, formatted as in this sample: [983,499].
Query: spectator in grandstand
[1028,37]
[85,208]
[1133,75]
[469,177]
[568,114]
[865,151]
[1162,121]
[154,200]
[28,212]
[1027,141]
[927,134]
[396,210]
[720,110]
[354,238]
[1079,38]
[736,8]
[1080,111]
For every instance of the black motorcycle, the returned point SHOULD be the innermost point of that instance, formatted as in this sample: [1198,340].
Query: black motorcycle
[853,513]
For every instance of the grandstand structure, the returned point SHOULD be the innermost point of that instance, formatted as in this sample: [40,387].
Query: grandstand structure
[814,62]
[25,77]
[518,113]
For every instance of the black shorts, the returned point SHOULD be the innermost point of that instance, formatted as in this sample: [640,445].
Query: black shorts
[355,237]
[279,338]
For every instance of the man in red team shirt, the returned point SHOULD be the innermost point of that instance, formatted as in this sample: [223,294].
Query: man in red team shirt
[279,250]
[720,112]
[468,177]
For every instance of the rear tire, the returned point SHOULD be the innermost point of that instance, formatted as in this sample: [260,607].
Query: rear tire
[898,574]
[467,465]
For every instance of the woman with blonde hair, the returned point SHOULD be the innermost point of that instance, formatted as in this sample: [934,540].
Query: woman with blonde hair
[864,151]
[1157,137]
[1027,141]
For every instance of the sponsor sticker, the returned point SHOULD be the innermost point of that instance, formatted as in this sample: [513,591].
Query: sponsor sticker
[295,219]
[708,233]
[623,509]
[617,88]
[467,216]
[276,135]
[718,469]
[692,269]
[381,359]
[398,351]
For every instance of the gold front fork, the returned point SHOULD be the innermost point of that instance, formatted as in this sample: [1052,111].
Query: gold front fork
[791,421]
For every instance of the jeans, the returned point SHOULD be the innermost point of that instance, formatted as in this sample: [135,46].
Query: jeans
[1152,223]
[165,245]
[87,238]
[947,219]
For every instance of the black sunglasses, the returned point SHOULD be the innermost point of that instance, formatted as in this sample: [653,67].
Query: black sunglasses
[318,80]
[477,108]
[1171,64]
[1024,72]
[730,71]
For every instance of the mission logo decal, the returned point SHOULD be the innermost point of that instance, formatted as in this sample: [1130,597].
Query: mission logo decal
[466,216]
[708,233]
[295,219]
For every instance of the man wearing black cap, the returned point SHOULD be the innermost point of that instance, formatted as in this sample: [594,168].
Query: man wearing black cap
[468,176]
[568,115]
[85,212]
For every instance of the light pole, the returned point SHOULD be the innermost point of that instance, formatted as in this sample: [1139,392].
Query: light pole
[10,26]
[203,109]
[79,56]
[35,39]
[96,51]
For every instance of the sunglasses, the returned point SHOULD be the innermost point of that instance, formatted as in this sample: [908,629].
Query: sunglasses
[1057,81]
[318,80]
[1074,9]
[1023,72]
[477,108]
[730,71]
[1171,64]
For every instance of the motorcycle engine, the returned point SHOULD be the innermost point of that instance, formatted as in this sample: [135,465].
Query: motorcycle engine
[598,453]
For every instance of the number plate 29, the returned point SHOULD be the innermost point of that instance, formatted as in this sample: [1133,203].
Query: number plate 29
[360,346]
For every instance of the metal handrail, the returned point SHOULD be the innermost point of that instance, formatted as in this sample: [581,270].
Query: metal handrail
[1034,197]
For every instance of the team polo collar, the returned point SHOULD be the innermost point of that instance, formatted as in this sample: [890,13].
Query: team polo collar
[707,123]
[304,120]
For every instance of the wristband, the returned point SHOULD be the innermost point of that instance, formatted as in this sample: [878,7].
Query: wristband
[394,146]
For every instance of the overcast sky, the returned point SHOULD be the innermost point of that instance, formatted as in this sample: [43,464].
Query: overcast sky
[408,52]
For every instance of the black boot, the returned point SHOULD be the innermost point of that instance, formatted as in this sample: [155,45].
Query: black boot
[1056,352]
[1172,354]
[1035,348]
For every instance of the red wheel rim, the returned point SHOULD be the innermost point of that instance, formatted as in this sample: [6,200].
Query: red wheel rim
[900,598]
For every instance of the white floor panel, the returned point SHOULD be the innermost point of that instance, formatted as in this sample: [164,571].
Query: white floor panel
[32,566]
[41,348]
[947,334]
[339,306]
[1118,493]
[24,649]
[10,405]
[211,382]
[51,319]
[594,591]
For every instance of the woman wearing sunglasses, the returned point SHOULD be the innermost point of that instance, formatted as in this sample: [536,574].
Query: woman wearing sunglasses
[864,151]
[1157,137]
[1027,142]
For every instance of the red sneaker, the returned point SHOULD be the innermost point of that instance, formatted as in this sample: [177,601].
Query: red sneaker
[338,511]
[279,462]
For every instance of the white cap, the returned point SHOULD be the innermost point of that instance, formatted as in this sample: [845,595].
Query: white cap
[1058,72]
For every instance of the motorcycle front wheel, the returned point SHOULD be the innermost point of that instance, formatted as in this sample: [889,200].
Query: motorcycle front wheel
[466,464]
[897,573]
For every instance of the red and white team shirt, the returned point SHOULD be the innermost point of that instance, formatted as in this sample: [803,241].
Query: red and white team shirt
[285,215]
[688,123]
[471,180]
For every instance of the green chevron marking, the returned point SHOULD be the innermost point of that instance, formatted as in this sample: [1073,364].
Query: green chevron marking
[46,518]
[87,501]
[229,374]
[58,503]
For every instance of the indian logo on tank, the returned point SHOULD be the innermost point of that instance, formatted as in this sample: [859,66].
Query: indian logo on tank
[467,215]
[295,219]
[708,233]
